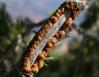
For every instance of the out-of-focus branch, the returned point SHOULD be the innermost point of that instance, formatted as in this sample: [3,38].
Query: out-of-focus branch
[85,34]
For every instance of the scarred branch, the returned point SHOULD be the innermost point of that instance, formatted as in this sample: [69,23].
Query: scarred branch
[56,28]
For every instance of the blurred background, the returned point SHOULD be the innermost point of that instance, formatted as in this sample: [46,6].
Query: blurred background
[75,56]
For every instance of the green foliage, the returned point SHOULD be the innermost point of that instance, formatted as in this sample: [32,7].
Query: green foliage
[11,34]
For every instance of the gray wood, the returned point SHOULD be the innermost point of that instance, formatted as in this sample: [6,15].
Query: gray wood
[49,35]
